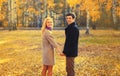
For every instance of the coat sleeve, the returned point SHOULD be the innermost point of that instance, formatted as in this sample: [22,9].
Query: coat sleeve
[51,40]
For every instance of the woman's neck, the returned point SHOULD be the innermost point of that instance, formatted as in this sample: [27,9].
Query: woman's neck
[49,28]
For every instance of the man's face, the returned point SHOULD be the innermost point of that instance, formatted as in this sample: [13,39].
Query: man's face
[69,19]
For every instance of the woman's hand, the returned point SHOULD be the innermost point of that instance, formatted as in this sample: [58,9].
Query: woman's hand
[62,54]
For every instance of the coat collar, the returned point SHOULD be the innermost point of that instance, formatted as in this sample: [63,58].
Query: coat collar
[71,25]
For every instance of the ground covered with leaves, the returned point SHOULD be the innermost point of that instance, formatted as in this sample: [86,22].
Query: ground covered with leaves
[99,53]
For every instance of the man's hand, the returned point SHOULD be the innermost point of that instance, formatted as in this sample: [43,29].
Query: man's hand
[62,54]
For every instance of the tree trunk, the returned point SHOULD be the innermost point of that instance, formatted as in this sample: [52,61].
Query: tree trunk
[9,15]
[45,8]
[114,13]
[88,21]
[13,14]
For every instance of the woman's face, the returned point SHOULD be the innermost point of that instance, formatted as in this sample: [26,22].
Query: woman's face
[49,23]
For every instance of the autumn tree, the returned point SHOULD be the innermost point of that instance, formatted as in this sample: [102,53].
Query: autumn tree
[92,11]
[114,5]
[110,12]
[3,12]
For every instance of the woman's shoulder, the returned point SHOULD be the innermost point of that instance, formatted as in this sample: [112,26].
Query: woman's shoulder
[47,31]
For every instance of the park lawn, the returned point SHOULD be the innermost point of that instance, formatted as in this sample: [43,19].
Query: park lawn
[99,53]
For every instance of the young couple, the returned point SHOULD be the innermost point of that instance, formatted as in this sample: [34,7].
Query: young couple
[70,47]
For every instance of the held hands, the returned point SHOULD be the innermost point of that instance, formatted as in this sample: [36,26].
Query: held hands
[60,52]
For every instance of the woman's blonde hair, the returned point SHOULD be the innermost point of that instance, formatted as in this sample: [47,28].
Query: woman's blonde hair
[44,24]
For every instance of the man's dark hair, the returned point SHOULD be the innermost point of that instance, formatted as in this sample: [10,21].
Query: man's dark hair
[71,14]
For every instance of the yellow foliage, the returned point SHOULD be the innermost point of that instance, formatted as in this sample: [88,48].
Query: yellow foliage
[1,1]
[61,5]
[118,11]
[1,16]
[19,12]
[71,3]
[95,15]
[109,5]
[31,9]
[5,23]
[19,25]
[92,7]
[50,3]
[102,1]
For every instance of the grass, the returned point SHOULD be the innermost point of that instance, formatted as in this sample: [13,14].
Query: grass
[20,53]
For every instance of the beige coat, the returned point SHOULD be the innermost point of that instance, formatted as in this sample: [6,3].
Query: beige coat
[48,45]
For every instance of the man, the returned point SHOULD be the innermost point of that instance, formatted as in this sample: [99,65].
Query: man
[71,43]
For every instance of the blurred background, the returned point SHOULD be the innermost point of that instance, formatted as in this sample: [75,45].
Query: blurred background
[94,14]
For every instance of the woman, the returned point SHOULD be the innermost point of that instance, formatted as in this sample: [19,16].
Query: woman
[48,45]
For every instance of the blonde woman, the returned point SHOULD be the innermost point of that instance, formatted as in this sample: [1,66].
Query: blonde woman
[48,46]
